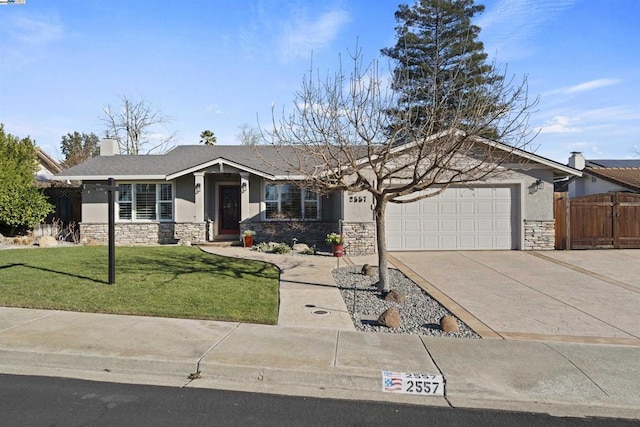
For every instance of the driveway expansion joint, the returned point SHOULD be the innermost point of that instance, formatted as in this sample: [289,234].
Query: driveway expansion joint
[546,294]
[585,271]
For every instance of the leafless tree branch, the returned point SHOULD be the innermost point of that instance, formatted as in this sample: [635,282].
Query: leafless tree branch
[132,125]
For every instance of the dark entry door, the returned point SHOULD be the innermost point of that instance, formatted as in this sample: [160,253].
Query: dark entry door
[229,210]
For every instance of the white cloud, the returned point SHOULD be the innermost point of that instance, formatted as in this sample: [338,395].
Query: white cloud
[585,86]
[611,114]
[33,31]
[507,24]
[559,124]
[215,108]
[301,36]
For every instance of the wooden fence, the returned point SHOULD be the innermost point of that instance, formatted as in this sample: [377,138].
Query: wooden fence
[610,220]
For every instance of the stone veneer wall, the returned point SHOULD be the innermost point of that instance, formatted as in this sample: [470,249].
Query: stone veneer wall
[539,235]
[191,231]
[359,238]
[143,233]
[307,232]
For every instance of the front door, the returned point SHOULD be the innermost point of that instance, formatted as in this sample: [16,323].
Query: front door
[229,210]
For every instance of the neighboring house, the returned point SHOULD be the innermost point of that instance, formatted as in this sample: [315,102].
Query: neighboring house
[205,193]
[47,168]
[603,176]
[65,197]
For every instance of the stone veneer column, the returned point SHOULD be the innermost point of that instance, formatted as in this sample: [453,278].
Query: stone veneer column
[539,235]
[359,238]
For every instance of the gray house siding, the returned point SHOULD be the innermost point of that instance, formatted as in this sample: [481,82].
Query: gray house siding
[312,233]
[198,172]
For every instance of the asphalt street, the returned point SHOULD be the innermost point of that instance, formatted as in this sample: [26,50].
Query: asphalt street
[43,401]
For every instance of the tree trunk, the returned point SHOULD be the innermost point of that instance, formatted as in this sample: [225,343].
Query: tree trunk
[381,236]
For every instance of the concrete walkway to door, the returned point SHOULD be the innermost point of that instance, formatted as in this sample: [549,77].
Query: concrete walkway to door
[572,296]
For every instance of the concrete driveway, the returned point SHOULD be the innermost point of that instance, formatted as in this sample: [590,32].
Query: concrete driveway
[579,296]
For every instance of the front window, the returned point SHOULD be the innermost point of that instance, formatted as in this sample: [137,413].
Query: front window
[145,201]
[287,201]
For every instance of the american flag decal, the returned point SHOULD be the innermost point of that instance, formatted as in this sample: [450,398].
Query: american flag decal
[391,381]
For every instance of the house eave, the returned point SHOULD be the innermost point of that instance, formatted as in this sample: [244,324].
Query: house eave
[218,161]
[106,177]
[558,167]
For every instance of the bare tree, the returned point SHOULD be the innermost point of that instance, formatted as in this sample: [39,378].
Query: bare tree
[345,132]
[137,127]
[249,135]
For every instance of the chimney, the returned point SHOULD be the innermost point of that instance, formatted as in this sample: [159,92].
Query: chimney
[108,147]
[577,160]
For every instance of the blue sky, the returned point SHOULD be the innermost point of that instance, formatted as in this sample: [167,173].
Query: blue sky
[218,64]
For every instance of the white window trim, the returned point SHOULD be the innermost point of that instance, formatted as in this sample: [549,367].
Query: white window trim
[158,202]
[302,200]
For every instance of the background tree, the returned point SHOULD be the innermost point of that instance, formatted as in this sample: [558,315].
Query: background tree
[78,147]
[346,133]
[208,138]
[249,135]
[440,65]
[136,126]
[22,205]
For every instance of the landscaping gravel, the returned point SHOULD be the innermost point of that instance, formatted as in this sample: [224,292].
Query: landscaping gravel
[419,313]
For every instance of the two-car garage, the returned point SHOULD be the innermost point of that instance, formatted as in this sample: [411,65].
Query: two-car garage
[459,218]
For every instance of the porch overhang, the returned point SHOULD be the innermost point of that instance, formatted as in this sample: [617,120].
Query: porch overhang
[218,162]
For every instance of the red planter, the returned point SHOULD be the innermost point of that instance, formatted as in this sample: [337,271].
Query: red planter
[248,241]
[338,250]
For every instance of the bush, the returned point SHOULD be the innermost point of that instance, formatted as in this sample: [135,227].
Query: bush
[22,205]
[273,248]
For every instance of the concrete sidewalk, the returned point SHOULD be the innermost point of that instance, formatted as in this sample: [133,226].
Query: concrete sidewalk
[561,379]
[309,297]
[320,354]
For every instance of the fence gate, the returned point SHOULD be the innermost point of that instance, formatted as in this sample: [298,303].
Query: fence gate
[610,220]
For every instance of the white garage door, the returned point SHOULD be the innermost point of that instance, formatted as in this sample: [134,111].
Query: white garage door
[459,218]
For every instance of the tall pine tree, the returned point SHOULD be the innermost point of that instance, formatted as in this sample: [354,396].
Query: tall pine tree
[441,74]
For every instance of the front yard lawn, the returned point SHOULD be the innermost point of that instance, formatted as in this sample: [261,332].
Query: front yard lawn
[168,281]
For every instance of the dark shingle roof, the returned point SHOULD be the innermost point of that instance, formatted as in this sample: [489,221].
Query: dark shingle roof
[181,158]
[612,163]
[270,162]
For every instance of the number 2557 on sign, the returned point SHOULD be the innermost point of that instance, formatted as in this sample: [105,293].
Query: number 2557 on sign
[401,382]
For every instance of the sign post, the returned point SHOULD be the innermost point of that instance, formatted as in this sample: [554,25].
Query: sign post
[110,189]
[111,192]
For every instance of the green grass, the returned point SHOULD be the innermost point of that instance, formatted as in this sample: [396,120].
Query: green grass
[169,281]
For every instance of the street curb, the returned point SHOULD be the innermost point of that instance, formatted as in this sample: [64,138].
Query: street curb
[95,363]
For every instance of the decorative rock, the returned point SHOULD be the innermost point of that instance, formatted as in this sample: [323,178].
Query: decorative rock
[449,324]
[93,243]
[23,240]
[185,242]
[300,247]
[390,318]
[367,270]
[394,296]
[47,242]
